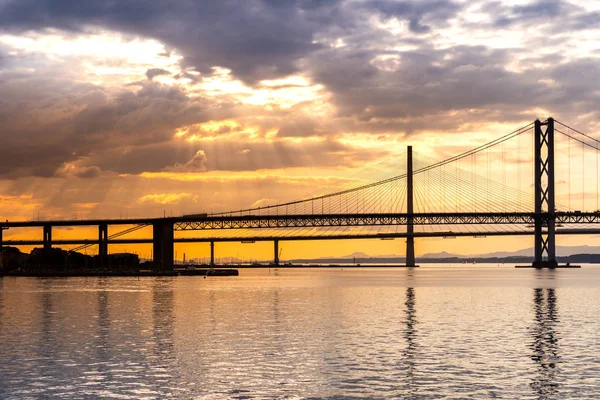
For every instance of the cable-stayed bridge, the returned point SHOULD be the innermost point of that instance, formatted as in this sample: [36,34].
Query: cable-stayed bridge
[541,180]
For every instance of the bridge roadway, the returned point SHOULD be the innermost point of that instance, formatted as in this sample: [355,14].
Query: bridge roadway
[382,236]
[185,223]
[163,229]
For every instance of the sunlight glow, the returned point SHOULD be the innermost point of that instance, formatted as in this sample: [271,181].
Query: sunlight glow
[283,93]
[100,53]
[164,198]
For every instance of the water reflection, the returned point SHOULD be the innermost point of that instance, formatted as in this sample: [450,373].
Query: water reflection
[313,336]
[102,343]
[163,318]
[2,316]
[48,314]
[410,332]
[545,344]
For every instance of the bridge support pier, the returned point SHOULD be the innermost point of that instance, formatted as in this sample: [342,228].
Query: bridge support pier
[545,211]
[103,242]
[410,238]
[162,243]
[2,228]
[276,253]
[212,253]
[545,241]
[47,237]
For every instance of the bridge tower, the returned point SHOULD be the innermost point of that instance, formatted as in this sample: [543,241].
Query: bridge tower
[47,238]
[545,211]
[162,243]
[103,242]
[2,229]
[410,238]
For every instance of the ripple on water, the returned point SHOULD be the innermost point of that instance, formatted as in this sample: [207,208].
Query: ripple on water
[305,334]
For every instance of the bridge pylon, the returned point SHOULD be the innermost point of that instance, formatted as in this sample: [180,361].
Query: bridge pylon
[163,243]
[545,211]
[410,238]
[103,242]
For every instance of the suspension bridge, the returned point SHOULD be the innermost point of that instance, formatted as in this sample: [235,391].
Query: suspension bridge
[539,180]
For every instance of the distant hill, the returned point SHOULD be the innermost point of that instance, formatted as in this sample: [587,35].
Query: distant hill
[582,253]
[561,251]
[356,254]
[443,254]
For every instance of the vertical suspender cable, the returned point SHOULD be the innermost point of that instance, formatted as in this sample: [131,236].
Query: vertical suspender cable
[487,172]
[503,180]
[458,186]
[473,159]
[519,172]
[569,166]
[582,176]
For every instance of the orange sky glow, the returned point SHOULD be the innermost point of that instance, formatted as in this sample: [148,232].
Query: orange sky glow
[225,107]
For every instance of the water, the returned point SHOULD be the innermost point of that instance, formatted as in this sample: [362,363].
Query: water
[451,332]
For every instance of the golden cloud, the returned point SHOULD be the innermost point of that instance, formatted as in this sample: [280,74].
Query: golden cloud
[164,198]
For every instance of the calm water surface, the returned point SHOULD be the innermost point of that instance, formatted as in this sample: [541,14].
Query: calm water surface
[451,332]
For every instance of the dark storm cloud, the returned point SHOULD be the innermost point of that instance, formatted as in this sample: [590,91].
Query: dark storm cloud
[255,39]
[416,11]
[425,82]
[563,15]
[425,88]
[148,115]
[47,123]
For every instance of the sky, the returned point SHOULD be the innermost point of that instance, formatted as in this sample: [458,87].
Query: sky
[145,108]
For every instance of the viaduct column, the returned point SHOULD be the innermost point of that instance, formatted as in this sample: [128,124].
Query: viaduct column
[1,260]
[276,252]
[410,239]
[47,237]
[162,243]
[212,253]
[545,217]
[2,228]
[103,242]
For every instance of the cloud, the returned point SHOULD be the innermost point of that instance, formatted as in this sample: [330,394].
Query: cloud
[152,72]
[196,164]
[164,198]
[73,170]
[302,127]
[387,68]
[415,11]
[51,123]
[263,202]
[255,39]
[236,153]
[259,40]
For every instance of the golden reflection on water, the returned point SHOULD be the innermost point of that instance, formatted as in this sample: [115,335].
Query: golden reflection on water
[545,344]
[410,336]
[393,334]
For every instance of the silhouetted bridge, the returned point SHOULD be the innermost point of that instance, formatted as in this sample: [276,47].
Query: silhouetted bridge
[325,216]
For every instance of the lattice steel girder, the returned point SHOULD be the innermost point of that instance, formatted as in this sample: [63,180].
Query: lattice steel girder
[332,220]
[270,238]
[577,218]
[340,220]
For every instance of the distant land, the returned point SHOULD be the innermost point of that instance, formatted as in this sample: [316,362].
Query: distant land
[582,254]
